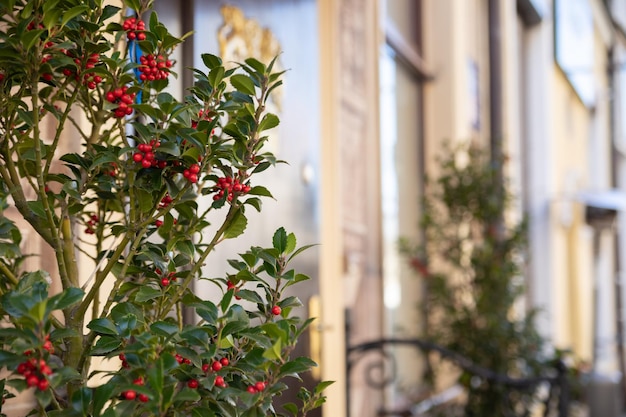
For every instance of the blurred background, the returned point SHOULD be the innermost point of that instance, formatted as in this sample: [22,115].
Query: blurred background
[373,90]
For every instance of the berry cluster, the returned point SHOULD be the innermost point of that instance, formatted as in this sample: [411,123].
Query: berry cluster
[35,372]
[257,387]
[90,79]
[191,173]
[132,394]
[165,201]
[154,67]
[168,279]
[31,25]
[91,223]
[202,115]
[123,99]
[134,29]
[181,360]
[217,366]
[110,170]
[229,186]
[125,363]
[146,155]
[47,57]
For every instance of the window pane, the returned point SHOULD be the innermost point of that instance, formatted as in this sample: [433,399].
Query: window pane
[401,180]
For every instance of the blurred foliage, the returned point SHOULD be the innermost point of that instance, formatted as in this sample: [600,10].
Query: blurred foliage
[472,265]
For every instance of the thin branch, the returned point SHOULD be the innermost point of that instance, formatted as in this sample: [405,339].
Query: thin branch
[9,274]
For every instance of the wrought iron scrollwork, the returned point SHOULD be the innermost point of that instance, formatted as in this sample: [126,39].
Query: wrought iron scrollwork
[556,378]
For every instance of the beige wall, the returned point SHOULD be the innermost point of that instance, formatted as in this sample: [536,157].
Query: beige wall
[570,154]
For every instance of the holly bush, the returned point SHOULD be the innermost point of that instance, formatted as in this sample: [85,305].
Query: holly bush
[472,264]
[118,179]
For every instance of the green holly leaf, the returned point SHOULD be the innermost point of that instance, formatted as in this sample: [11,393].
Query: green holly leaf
[243,83]
[237,226]
[211,61]
[147,293]
[103,326]
[279,240]
[274,352]
[66,299]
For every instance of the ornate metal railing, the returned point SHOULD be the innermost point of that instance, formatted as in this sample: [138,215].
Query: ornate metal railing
[556,402]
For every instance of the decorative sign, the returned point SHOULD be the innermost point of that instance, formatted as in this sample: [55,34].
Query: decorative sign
[240,38]
[574,51]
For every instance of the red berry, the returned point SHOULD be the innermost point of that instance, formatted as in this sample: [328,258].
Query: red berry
[259,386]
[276,310]
[194,168]
[143,398]
[251,389]
[224,361]
[43,384]
[216,366]
[130,394]
[138,381]
[193,178]
[193,383]
[206,367]
[158,223]
[165,282]
[46,370]
[137,157]
[32,380]
[21,368]
[219,381]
